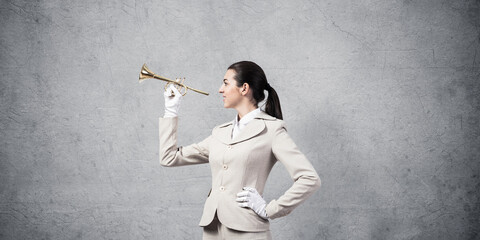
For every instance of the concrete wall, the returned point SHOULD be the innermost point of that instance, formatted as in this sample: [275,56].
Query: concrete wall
[382,96]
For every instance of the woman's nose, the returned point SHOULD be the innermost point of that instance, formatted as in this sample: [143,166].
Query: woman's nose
[220,90]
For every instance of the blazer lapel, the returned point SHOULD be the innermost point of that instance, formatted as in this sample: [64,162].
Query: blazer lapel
[224,132]
[252,129]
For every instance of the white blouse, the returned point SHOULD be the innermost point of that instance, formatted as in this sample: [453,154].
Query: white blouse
[239,125]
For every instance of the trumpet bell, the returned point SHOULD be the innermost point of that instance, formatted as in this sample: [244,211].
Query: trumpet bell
[145,73]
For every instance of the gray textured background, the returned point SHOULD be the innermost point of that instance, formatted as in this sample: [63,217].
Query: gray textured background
[382,96]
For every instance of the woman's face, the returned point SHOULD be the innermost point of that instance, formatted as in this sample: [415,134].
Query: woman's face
[232,95]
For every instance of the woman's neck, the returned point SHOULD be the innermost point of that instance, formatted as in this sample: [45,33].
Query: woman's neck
[243,110]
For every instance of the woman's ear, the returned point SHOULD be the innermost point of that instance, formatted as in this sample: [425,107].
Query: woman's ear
[245,89]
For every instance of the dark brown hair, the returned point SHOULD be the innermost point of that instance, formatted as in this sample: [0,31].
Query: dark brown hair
[251,73]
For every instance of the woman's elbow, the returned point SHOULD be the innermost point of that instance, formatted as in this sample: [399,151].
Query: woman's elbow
[311,181]
[166,160]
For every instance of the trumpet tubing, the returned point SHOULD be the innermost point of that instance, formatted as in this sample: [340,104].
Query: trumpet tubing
[146,73]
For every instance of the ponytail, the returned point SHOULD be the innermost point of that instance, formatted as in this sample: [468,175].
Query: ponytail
[272,106]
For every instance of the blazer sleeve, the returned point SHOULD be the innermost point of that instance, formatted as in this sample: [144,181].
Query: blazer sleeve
[306,179]
[170,155]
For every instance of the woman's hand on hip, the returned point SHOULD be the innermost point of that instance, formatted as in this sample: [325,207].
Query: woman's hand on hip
[250,198]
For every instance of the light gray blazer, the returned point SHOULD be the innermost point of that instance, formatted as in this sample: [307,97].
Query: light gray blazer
[244,161]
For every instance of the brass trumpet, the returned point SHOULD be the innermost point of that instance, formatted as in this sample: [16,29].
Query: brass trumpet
[182,88]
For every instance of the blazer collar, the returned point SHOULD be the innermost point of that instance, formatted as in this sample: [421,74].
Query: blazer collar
[256,126]
[263,115]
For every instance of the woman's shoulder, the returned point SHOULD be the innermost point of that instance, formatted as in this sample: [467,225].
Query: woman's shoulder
[270,121]
[225,124]
[275,125]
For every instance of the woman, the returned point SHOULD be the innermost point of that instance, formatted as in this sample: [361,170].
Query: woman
[241,154]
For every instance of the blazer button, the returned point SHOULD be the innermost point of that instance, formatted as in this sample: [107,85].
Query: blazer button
[225,167]
[229,146]
[222,188]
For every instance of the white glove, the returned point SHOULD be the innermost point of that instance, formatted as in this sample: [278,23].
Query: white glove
[251,198]
[172,103]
